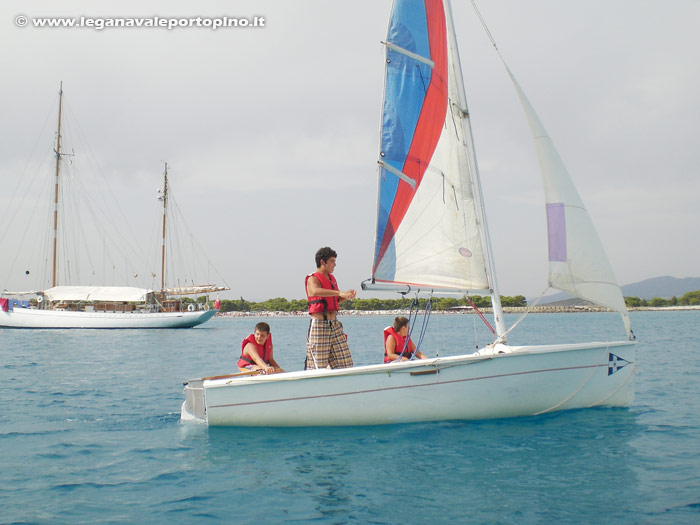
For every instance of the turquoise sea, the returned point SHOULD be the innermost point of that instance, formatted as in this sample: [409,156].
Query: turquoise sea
[90,432]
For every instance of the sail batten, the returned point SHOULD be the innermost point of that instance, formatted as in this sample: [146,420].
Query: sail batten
[410,54]
[408,180]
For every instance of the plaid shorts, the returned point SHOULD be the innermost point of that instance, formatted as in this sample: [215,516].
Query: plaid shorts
[326,344]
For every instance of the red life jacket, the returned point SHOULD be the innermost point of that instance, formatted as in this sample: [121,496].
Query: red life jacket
[319,305]
[400,341]
[264,351]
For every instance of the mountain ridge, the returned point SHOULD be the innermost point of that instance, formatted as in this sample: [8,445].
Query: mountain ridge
[664,287]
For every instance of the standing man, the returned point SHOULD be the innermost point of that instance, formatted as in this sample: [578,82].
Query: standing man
[326,343]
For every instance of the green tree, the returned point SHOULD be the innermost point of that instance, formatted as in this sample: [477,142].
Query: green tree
[278,304]
[298,305]
[691,298]
[235,305]
[518,300]
[445,303]
[657,302]
[633,302]
[482,302]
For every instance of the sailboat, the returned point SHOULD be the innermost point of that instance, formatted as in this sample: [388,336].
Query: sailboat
[66,306]
[432,237]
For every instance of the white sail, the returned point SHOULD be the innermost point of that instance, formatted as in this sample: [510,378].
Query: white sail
[194,290]
[427,228]
[578,263]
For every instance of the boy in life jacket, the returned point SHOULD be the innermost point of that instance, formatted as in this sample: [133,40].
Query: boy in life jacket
[256,352]
[326,343]
[395,343]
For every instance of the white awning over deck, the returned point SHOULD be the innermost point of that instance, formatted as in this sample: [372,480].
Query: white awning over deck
[96,293]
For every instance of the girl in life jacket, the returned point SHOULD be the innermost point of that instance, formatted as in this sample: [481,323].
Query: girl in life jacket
[256,352]
[395,346]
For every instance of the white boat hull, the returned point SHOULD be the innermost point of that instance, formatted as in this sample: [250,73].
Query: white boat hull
[34,318]
[527,380]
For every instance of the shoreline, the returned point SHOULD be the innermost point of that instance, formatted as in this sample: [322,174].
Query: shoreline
[489,310]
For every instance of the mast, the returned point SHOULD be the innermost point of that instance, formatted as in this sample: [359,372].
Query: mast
[57,149]
[476,181]
[164,197]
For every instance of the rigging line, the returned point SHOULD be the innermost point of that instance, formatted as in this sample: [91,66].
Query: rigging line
[113,235]
[26,229]
[24,197]
[528,310]
[186,266]
[133,242]
[593,369]
[414,317]
[194,238]
[117,241]
[20,179]
[629,377]
[481,315]
[424,327]
[414,302]
[483,23]
[76,213]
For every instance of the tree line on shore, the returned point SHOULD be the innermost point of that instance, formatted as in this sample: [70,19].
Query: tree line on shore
[280,304]
[689,299]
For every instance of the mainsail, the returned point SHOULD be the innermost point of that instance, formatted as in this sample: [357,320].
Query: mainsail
[428,227]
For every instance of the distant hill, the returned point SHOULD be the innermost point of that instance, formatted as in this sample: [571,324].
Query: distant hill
[664,287]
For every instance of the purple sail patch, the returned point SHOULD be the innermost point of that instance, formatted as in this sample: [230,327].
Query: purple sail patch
[556,232]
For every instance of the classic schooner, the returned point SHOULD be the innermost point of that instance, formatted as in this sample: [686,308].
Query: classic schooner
[67,306]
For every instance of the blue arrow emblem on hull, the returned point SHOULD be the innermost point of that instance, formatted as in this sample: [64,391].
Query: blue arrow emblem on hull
[615,363]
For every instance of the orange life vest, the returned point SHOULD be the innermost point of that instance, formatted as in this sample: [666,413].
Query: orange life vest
[264,351]
[319,305]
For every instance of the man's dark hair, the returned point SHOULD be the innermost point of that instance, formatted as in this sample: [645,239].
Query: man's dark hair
[400,322]
[323,254]
[263,327]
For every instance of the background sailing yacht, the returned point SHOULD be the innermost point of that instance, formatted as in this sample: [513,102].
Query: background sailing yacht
[62,305]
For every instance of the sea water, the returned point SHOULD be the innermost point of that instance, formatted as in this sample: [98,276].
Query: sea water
[90,432]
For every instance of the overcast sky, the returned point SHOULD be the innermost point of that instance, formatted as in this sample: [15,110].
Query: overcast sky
[271,133]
